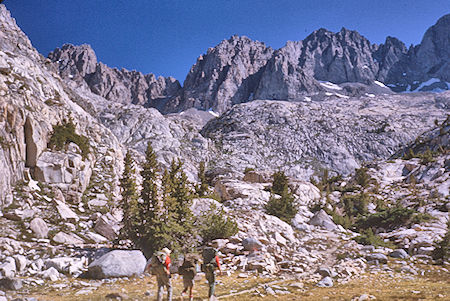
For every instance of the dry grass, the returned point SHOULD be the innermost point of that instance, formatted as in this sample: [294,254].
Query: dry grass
[434,285]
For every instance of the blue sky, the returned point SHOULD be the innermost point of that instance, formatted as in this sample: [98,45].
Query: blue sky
[165,37]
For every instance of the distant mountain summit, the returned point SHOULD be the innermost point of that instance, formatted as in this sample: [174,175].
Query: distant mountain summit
[239,70]
[79,63]
[426,66]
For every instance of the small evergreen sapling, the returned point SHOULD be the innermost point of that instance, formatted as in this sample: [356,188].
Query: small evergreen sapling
[283,205]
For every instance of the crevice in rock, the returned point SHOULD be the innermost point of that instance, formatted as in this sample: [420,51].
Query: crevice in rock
[30,145]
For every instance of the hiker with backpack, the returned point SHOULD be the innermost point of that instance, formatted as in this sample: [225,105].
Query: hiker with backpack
[188,270]
[160,266]
[210,263]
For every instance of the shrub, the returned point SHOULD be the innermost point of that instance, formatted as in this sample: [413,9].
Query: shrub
[356,204]
[215,225]
[344,221]
[282,207]
[392,218]
[441,250]
[247,170]
[362,178]
[327,183]
[368,238]
[409,155]
[202,188]
[426,157]
[64,133]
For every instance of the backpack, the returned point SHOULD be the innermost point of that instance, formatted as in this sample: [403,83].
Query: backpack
[189,266]
[209,259]
[158,263]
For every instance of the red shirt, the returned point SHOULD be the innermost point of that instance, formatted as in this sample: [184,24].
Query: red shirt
[167,263]
[218,262]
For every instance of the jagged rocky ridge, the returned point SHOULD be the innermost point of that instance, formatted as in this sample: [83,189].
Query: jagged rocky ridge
[129,87]
[239,70]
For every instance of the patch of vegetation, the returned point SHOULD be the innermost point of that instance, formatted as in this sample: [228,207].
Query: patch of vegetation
[362,177]
[367,237]
[247,170]
[4,144]
[327,183]
[441,250]
[356,204]
[202,188]
[215,225]
[64,133]
[392,218]
[282,206]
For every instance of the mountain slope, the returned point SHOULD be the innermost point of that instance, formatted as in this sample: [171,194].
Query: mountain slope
[336,134]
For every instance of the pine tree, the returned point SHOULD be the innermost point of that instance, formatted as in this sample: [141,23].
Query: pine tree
[202,187]
[182,194]
[149,226]
[282,206]
[171,226]
[163,217]
[215,224]
[129,199]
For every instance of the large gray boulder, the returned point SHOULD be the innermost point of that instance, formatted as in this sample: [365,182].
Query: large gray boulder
[399,253]
[325,282]
[39,227]
[377,257]
[107,226]
[67,239]
[322,219]
[8,267]
[118,263]
[12,284]
[252,244]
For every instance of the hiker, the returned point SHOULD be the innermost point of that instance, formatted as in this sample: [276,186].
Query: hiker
[160,266]
[210,262]
[188,270]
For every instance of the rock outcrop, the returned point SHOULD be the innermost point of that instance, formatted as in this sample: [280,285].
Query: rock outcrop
[340,57]
[283,78]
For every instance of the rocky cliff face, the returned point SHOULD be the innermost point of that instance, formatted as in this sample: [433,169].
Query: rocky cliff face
[33,100]
[227,74]
[426,66]
[283,78]
[340,57]
[79,63]
[388,55]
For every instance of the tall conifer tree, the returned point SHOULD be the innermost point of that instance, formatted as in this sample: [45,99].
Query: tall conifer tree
[149,218]
[129,199]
